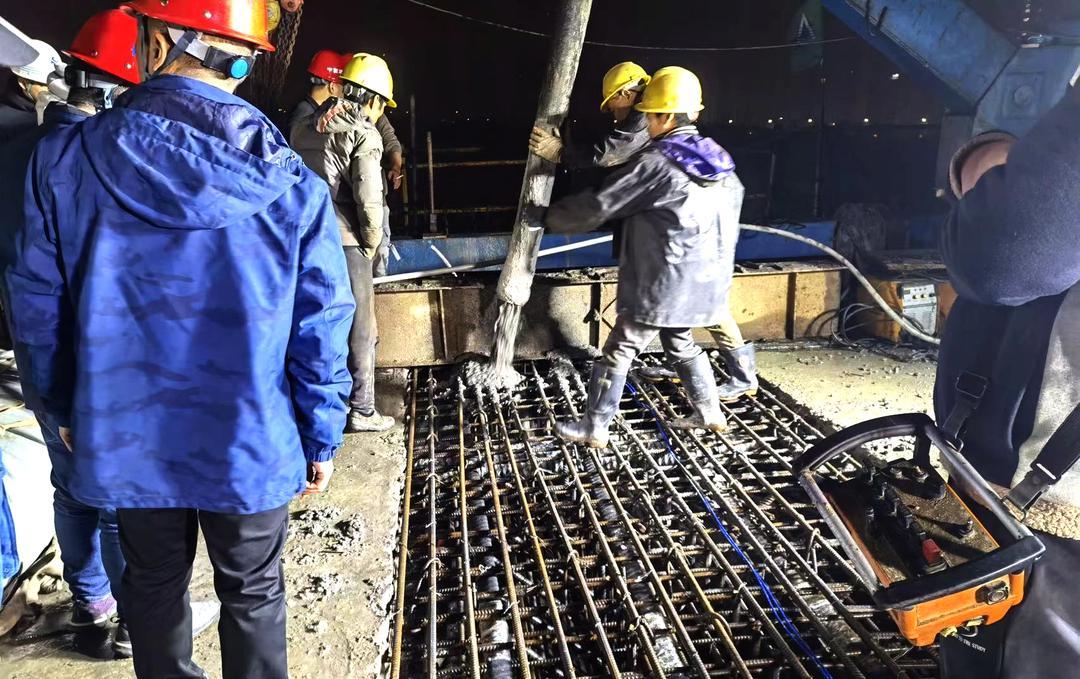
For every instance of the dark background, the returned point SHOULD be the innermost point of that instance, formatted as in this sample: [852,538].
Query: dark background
[476,86]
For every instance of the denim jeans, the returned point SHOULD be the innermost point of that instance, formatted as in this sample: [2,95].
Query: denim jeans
[88,536]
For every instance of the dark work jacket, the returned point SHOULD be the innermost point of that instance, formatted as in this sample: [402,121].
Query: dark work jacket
[17,113]
[679,200]
[1012,248]
[626,138]
[347,156]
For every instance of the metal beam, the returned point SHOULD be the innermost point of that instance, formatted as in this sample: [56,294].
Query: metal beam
[943,43]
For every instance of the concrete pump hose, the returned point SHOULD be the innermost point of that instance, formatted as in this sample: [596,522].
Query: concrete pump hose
[889,311]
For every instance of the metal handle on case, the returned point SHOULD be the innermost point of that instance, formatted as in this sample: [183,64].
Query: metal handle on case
[1011,558]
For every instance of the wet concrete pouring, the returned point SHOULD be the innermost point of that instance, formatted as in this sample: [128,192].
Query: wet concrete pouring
[619,565]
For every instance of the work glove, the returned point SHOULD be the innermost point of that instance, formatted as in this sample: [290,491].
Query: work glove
[546,144]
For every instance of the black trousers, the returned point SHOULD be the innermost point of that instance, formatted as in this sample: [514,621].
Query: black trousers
[1039,638]
[245,551]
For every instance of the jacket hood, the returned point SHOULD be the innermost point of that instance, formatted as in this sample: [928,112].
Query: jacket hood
[700,157]
[180,154]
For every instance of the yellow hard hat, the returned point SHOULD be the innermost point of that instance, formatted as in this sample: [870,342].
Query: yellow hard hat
[273,15]
[371,73]
[673,89]
[620,77]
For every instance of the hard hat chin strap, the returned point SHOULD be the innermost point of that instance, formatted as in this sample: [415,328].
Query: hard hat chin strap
[105,88]
[190,42]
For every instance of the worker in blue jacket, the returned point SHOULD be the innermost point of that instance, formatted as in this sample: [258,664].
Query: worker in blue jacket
[679,200]
[183,300]
[1012,248]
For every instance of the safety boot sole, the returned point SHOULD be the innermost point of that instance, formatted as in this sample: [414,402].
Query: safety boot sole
[732,399]
[587,441]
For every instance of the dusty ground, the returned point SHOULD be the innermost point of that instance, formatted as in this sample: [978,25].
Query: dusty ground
[847,386]
[339,569]
[339,560]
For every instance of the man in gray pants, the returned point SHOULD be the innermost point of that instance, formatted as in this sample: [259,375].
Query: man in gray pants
[341,143]
[679,200]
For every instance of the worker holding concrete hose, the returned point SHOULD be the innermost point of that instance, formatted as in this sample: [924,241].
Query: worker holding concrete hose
[622,88]
[325,69]
[341,143]
[679,200]
[1008,382]
[181,296]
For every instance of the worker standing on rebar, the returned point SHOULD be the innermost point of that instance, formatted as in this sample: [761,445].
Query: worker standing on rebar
[679,200]
[1012,249]
[341,143]
[326,69]
[180,294]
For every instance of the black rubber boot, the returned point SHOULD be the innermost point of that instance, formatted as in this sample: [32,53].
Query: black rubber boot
[742,366]
[605,392]
[699,381]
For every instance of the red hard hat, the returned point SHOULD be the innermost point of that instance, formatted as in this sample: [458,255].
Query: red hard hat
[243,20]
[328,65]
[107,42]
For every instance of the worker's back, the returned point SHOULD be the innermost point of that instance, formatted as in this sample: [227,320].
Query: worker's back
[347,153]
[194,246]
[679,200]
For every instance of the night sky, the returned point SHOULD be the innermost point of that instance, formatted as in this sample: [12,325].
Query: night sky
[477,85]
[459,69]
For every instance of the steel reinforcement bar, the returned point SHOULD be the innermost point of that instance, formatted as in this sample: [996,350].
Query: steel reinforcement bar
[668,554]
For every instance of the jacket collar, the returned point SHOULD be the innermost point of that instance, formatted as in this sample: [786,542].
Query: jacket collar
[685,129]
[179,83]
[63,114]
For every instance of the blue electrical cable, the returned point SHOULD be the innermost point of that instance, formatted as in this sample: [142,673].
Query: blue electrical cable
[770,597]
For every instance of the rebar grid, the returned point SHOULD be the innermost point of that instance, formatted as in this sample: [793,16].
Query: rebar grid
[522,556]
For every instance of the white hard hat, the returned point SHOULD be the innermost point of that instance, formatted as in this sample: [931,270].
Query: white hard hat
[15,48]
[41,69]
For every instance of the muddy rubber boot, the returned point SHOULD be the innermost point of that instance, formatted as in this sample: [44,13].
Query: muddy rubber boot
[742,366]
[368,423]
[700,384]
[605,392]
[657,373]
